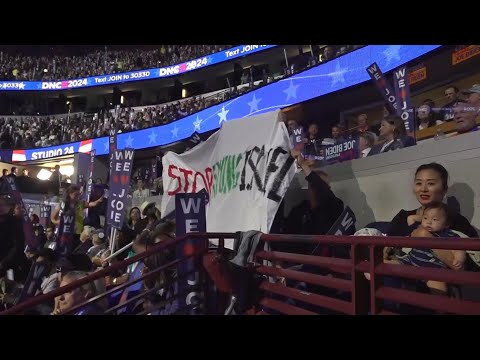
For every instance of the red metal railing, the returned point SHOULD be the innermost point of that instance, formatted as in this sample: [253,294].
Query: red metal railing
[353,281]
[168,244]
[345,276]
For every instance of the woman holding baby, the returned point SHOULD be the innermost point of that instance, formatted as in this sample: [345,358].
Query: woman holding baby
[431,219]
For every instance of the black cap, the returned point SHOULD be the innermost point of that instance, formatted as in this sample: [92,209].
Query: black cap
[74,262]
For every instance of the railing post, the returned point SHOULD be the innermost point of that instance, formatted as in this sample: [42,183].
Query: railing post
[359,284]
[376,281]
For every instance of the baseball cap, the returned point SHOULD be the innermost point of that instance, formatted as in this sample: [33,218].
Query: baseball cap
[99,232]
[474,89]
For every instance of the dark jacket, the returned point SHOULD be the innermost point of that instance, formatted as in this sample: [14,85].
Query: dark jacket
[377,149]
[12,246]
[302,219]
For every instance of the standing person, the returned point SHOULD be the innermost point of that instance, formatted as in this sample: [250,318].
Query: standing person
[13,172]
[56,180]
[12,244]
[141,194]
[317,214]
[73,206]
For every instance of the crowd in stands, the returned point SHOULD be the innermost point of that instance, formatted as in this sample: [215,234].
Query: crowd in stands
[87,251]
[39,131]
[20,67]
[36,131]
[462,108]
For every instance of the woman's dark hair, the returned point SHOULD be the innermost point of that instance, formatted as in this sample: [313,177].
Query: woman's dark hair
[71,189]
[399,124]
[439,169]
[130,214]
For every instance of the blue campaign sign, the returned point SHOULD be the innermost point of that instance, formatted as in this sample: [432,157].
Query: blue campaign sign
[343,151]
[146,74]
[190,217]
[337,74]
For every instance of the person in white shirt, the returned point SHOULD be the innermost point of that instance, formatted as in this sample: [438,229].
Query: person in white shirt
[140,195]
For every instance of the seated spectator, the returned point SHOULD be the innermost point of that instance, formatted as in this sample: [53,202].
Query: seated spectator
[51,242]
[473,95]
[50,281]
[141,194]
[451,93]
[430,186]
[437,117]
[98,244]
[328,54]
[363,125]
[77,296]
[426,117]
[40,236]
[291,125]
[34,219]
[312,141]
[367,140]
[435,223]
[391,130]
[337,131]
[135,224]
[85,240]
[465,117]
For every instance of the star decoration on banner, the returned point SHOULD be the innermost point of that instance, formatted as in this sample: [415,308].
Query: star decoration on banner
[175,131]
[39,86]
[337,75]
[254,104]
[21,86]
[196,124]
[105,144]
[291,91]
[152,137]
[209,60]
[223,115]
[128,142]
[392,53]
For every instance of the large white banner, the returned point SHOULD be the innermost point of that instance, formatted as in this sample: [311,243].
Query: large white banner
[245,167]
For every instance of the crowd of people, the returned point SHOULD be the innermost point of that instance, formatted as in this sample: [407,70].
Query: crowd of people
[462,108]
[86,251]
[49,68]
[40,131]
[89,249]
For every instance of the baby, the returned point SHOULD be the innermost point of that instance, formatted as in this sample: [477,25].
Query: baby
[435,220]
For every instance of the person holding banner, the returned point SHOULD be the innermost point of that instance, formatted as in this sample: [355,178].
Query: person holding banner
[317,214]
[72,208]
